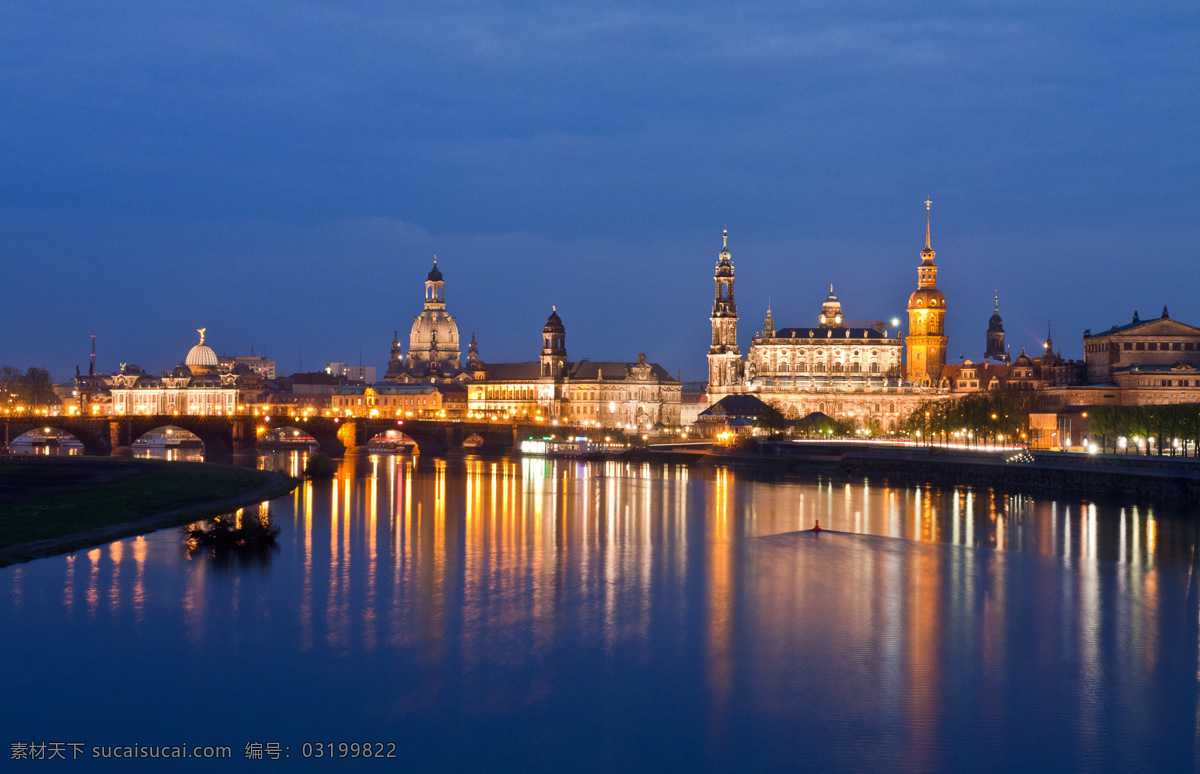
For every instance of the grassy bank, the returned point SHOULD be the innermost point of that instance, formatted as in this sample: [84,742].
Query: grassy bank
[55,504]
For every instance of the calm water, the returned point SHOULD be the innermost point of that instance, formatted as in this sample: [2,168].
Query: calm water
[522,615]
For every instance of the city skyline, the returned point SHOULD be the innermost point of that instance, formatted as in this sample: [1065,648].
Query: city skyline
[284,176]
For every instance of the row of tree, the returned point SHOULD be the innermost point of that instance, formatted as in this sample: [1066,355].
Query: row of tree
[1164,424]
[978,417]
[29,389]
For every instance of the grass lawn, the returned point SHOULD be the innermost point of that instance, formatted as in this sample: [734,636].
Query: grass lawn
[52,497]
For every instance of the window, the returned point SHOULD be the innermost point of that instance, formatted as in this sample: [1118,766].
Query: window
[1140,346]
[1152,346]
[1176,346]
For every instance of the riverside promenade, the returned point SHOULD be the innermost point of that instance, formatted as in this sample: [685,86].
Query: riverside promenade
[1176,478]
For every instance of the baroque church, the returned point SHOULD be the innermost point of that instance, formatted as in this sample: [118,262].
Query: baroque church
[433,345]
[863,373]
[615,394]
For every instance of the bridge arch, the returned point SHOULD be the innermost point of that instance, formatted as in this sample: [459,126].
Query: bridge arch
[51,441]
[170,442]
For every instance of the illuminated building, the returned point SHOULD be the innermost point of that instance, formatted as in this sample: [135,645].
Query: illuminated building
[851,371]
[613,394]
[724,367]
[1151,353]
[926,340]
[197,386]
[417,400]
[433,347]
[629,395]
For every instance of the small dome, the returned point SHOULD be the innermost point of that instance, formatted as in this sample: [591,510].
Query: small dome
[554,323]
[435,274]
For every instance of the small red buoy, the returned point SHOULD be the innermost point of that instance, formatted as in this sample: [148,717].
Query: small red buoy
[817,525]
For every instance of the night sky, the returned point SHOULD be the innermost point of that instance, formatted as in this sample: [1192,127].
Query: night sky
[282,173]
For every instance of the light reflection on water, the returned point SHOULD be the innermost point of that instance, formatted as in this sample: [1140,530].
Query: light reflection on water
[547,614]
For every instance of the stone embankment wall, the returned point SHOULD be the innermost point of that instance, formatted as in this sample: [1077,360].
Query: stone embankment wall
[1108,474]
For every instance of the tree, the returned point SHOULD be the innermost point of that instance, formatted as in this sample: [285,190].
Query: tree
[32,389]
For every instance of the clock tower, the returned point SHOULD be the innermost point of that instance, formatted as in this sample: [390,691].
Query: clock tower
[926,342]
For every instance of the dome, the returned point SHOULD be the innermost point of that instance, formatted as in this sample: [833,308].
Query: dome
[554,323]
[201,355]
[926,298]
[995,324]
[435,274]
[433,325]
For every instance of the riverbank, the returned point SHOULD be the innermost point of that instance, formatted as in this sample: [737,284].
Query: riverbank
[1171,478]
[54,505]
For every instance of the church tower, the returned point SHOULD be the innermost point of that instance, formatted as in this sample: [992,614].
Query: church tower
[926,342]
[995,336]
[554,346]
[723,355]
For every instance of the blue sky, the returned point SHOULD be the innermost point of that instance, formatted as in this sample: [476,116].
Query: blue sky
[282,173]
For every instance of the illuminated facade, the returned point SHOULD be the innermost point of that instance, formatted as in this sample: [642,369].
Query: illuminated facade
[632,396]
[422,401]
[852,372]
[724,365]
[197,387]
[926,340]
[433,345]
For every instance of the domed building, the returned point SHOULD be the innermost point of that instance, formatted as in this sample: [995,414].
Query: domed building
[434,353]
[196,386]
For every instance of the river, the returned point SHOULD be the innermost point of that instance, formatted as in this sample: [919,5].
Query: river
[531,615]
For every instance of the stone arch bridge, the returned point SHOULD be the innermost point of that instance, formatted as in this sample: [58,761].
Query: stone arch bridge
[239,434]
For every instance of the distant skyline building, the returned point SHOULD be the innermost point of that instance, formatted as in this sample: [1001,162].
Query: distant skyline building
[359,373]
[258,364]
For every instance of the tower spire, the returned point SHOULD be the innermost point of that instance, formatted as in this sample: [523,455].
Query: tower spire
[927,244]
